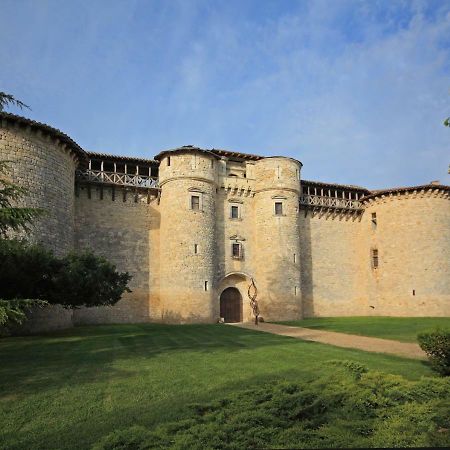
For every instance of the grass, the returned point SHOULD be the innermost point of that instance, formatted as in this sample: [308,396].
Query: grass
[404,329]
[67,390]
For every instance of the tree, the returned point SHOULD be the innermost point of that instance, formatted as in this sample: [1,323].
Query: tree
[85,279]
[28,271]
[13,217]
[8,99]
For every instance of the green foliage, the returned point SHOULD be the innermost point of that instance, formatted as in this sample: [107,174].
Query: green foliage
[147,374]
[133,438]
[436,344]
[370,410]
[30,271]
[26,271]
[88,280]
[14,311]
[13,217]
[8,99]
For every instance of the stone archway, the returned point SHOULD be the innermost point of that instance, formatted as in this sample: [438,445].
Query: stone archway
[231,305]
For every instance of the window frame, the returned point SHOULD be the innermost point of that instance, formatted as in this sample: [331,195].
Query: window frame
[236,208]
[239,254]
[276,213]
[191,203]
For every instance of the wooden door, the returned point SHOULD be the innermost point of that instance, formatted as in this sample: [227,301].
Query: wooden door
[231,305]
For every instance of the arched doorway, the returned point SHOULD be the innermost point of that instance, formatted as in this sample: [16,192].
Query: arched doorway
[231,305]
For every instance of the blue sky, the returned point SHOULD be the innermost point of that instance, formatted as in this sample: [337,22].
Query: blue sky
[356,90]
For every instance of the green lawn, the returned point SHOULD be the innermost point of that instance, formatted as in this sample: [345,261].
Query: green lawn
[67,390]
[404,329]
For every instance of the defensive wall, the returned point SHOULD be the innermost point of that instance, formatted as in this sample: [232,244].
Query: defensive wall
[193,223]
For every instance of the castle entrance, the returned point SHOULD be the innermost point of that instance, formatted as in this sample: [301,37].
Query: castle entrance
[231,305]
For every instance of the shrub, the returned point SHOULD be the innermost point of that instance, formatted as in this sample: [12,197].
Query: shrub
[30,271]
[436,344]
[26,271]
[133,438]
[85,279]
[13,311]
[370,409]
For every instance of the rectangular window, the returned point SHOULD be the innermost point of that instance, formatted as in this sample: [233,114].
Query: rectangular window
[375,258]
[236,250]
[206,285]
[278,208]
[196,249]
[235,212]
[195,202]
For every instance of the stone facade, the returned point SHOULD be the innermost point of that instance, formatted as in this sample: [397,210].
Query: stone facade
[193,223]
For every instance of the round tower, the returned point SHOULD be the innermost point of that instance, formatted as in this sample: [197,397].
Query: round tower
[187,178]
[43,160]
[277,192]
[405,247]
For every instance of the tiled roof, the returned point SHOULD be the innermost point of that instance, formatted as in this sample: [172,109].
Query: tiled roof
[133,159]
[336,185]
[240,155]
[185,148]
[54,132]
[406,189]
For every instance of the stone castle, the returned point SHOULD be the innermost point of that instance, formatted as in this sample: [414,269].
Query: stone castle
[194,227]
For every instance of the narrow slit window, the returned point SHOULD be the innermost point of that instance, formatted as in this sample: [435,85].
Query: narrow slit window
[295,258]
[374,219]
[235,212]
[206,285]
[375,259]
[195,202]
[196,249]
[168,160]
[278,208]
[295,290]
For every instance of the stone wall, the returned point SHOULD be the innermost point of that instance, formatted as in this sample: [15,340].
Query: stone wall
[330,263]
[43,320]
[47,170]
[412,236]
[117,224]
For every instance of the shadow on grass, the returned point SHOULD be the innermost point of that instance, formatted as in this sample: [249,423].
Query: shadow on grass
[87,354]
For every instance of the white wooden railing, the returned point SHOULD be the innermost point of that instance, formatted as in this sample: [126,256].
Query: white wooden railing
[123,179]
[330,202]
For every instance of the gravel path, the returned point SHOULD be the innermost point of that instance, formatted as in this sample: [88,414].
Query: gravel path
[368,344]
